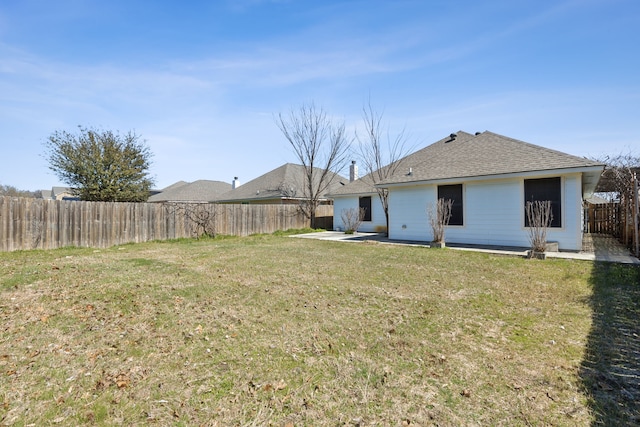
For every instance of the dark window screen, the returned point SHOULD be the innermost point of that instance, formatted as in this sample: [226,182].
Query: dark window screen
[544,189]
[365,203]
[453,192]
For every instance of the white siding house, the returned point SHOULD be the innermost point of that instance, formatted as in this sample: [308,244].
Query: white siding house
[377,222]
[493,214]
[359,192]
[491,177]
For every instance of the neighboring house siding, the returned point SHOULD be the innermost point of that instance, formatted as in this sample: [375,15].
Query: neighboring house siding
[378,219]
[493,214]
[265,202]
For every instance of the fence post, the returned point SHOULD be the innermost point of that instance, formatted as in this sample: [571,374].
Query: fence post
[49,224]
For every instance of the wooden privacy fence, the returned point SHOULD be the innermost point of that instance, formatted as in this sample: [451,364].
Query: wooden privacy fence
[603,218]
[48,224]
[617,219]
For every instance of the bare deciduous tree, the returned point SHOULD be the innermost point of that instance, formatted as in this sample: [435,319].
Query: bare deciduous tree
[439,215]
[617,176]
[10,190]
[539,217]
[287,190]
[352,219]
[321,147]
[381,154]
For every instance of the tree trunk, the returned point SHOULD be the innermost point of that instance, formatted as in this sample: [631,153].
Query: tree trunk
[386,215]
[312,218]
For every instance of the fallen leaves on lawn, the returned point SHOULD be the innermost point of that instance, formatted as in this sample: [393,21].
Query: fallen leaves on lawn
[120,379]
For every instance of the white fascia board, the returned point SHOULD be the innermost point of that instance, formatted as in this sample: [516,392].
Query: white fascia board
[540,173]
[342,196]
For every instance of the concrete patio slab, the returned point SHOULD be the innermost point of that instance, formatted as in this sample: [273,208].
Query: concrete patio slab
[597,247]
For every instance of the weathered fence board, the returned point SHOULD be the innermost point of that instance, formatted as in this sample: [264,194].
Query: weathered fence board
[616,219]
[48,224]
[603,218]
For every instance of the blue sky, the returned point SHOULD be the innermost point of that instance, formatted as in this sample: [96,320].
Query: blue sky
[201,81]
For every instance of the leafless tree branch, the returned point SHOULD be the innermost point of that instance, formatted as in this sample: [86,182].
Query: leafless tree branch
[352,219]
[539,217]
[439,215]
[320,145]
[200,217]
[380,153]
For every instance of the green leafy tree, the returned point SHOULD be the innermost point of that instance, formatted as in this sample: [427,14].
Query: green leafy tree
[100,165]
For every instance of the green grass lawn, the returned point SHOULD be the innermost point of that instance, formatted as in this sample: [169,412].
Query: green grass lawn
[272,330]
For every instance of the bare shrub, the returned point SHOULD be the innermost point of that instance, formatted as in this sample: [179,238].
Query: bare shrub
[539,216]
[38,226]
[352,219]
[200,218]
[439,216]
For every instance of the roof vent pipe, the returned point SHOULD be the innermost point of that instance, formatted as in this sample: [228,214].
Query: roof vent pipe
[235,183]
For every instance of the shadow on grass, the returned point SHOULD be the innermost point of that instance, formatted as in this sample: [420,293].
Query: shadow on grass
[610,371]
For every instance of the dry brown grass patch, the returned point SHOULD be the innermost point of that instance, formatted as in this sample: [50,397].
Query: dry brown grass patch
[275,331]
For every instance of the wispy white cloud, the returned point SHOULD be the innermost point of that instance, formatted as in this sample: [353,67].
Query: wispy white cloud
[208,111]
[49,84]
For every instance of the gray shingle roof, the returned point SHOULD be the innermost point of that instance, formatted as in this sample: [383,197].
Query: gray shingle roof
[55,190]
[197,191]
[175,185]
[483,154]
[363,185]
[284,182]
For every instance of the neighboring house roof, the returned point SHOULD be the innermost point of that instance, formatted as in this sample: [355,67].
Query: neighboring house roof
[463,156]
[197,191]
[359,186]
[597,200]
[62,193]
[176,185]
[284,182]
[55,191]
